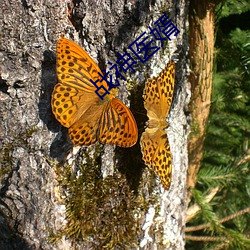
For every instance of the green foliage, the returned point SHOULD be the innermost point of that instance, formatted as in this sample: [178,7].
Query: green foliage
[226,153]
[230,7]
[218,176]
[207,211]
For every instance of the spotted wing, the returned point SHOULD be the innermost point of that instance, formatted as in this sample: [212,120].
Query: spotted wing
[155,148]
[85,130]
[158,93]
[156,154]
[74,93]
[77,106]
[117,125]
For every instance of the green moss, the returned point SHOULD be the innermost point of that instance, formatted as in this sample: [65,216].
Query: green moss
[28,133]
[5,160]
[105,212]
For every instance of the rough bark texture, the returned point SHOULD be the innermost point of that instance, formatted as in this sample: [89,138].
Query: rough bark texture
[201,40]
[32,142]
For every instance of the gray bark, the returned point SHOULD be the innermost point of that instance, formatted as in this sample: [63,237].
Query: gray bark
[32,142]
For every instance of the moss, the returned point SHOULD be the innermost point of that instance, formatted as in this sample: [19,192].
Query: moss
[103,212]
[28,133]
[131,84]
[5,160]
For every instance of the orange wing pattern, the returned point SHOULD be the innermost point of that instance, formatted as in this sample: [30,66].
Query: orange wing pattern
[118,125]
[77,107]
[158,93]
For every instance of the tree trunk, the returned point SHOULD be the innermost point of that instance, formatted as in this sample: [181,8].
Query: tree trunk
[54,196]
[201,40]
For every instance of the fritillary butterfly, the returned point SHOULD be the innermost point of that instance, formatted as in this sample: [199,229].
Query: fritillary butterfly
[158,93]
[77,107]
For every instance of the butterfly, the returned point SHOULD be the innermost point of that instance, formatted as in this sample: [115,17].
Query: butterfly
[77,107]
[157,95]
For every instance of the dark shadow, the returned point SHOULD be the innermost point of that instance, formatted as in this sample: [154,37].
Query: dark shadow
[48,81]
[25,4]
[130,159]
[134,18]
[231,22]
[61,144]
[3,86]
[9,237]
[76,16]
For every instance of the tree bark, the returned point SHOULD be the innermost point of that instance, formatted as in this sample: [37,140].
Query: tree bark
[201,40]
[40,170]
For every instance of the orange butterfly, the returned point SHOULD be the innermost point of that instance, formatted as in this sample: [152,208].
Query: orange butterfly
[77,107]
[158,93]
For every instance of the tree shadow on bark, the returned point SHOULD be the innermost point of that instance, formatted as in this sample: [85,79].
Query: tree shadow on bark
[9,239]
[130,159]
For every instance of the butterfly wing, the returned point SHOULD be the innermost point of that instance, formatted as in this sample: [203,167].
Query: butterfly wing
[85,130]
[75,67]
[70,103]
[117,125]
[77,107]
[156,154]
[158,93]
[74,94]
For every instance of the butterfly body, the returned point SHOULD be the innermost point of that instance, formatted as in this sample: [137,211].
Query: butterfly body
[157,123]
[158,93]
[77,107]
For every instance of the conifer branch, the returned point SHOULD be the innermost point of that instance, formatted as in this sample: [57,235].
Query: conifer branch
[194,209]
[230,217]
[245,159]
[205,238]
